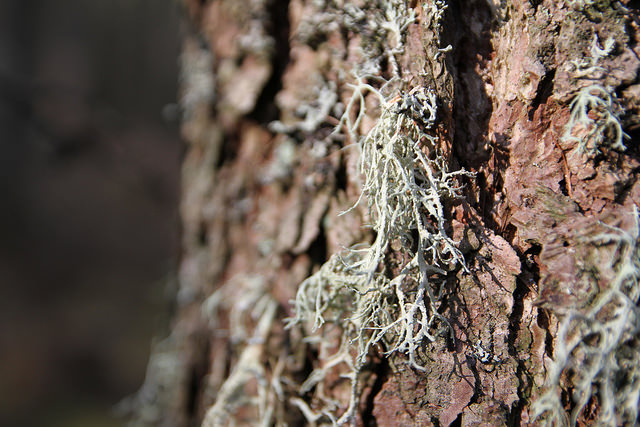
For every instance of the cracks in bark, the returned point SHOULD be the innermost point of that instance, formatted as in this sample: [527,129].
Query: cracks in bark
[382,371]
[562,186]
[472,106]
[229,148]
[477,388]
[457,422]
[530,274]
[318,249]
[624,188]
[342,179]
[196,382]
[473,109]
[544,321]
[488,188]
[545,89]
[266,109]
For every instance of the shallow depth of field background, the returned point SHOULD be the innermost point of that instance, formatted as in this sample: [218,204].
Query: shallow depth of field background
[89,182]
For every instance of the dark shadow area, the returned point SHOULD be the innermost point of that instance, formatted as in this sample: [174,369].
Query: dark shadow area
[470,31]
[89,181]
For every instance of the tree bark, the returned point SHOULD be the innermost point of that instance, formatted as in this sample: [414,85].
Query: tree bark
[272,158]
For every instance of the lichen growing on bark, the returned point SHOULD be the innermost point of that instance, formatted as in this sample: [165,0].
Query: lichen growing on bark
[596,347]
[604,130]
[406,183]
[457,292]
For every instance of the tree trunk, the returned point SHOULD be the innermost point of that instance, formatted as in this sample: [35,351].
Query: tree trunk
[484,269]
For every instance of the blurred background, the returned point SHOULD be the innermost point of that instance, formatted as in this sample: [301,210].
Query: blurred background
[89,179]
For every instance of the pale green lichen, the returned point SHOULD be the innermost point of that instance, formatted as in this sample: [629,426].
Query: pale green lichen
[596,349]
[584,4]
[595,114]
[587,67]
[595,118]
[252,311]
[381,23]
[406,183]
[314,111]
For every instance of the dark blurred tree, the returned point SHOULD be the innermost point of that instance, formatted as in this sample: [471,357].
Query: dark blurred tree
[88,182]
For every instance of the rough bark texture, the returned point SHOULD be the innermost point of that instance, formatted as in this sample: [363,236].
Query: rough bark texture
[264,179]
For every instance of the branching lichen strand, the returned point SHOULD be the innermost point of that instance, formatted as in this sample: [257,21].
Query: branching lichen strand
[598,346]
[406,183]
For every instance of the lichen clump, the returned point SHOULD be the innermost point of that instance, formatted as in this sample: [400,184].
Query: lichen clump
[596,349]
[406,184]
[595,111]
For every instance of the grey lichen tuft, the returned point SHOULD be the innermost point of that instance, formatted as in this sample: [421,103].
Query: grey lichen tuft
[252,311]
[406,183]
[596,114]
[382,24]
[587,67]
[596,349]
